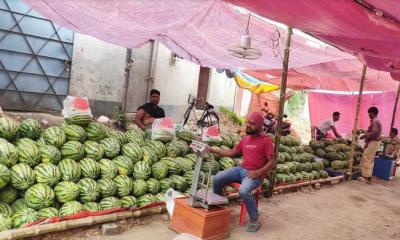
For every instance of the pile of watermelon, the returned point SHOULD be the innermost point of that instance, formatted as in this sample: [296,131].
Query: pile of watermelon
[85,165]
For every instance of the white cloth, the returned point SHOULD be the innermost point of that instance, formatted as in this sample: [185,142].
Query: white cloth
[326,125]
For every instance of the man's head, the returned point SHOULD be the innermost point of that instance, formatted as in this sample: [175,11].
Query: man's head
[154,96]
[254,123]
[373,112]
[336,116]
[393,132]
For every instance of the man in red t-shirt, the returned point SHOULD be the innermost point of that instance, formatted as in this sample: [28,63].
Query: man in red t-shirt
[258,158]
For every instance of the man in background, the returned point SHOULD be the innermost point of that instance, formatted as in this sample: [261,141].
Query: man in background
[327,125]
[146,113]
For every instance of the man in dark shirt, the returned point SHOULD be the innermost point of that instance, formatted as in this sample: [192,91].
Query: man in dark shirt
[149,111]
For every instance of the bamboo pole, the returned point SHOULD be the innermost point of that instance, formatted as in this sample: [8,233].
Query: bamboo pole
[307,183]
[82,222]
[128,68]
[281,104]
[395,108]
[354,140]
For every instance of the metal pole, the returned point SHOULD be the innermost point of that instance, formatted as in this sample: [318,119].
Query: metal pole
[285,68]
[395,107]
[354,140]
[128,68]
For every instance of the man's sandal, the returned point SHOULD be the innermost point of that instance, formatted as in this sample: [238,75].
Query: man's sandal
[362,179]
[253,227]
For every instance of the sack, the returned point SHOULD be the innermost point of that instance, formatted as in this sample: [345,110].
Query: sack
[76,106]
[212,136]
[163,129]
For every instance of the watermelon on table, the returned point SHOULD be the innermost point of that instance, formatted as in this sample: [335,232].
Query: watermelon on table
[47,173]
[70,170]
[166,184]
[39,196]
[173,167]
[185,135]
[149,155]
[78,119]
[5,223]
[111,147]
[19,204]
[28,152]
[108,188]
[185,164]
[22,176]
[6,209]
[94,150]
[30,128]
[108,168]
[95,131]
[128,201]
[50,154]
[141,170]
[124,185]
[8,128]
[92,206]
[120,136]
[124,164]
[153,186]
[54,136]
[66,191]
[133,136]
[159,170]
[73,150]
[139,187]
[158,147]
[145,200]
[90,168]
[8,195]
[75,133]
[160,197]
[23,217]
[133,151]
[70,208]
[109,203]
[180,183]
[172,151]
[8,153]
[48,212]
[89,190]
[5,176]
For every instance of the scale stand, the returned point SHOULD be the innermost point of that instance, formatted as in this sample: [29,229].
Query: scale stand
[202,197]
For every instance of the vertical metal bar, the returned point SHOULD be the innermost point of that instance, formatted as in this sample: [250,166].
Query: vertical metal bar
[128,67]
[395,108]
[354,140]
[285,68]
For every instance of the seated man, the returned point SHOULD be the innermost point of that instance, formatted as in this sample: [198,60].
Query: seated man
[393,144]
[258,159]
[327,125]
[148,112]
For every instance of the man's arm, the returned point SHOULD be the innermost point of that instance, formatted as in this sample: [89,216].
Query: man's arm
[138,119]
[335,132]
[225,152]
[267,167]
[374,132]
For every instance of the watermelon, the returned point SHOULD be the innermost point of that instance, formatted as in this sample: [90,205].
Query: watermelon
[19,204]
[9,128]
[6,209]
[183,147]
[172,151]
[5,176]
[162,135]
[8,153]
[54,136]
[48,212]
[81,120]
[159,170]
[22,176]
[70,170]
[41,142]
[109,203]
[28,152]
[70,208]
[39,196]
[185,135]
[124,165]
[73,150]
[94,150]
[133,136]
[120,136]
[89,168]
[210,165]
[30,128]
[189,177]
[141,170]
[111,147]
[108,187]
[66,191]
[92,206]
[108,168]
[139,188]
[149,155]
[47,173]
[5,223]
[180,183]
[95,131]
[75,133]
[158,147]
[226,163]
[160,197]
[145,200]
[57,205]
[128,201]
[153,186]
[124,185]
[133,151]
[173,167]
[8,195]
[166,184]
[50,154]
[89,190]
[185,164]
[23,217]
[192,157]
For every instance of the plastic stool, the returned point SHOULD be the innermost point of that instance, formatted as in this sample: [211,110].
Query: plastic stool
[243,210]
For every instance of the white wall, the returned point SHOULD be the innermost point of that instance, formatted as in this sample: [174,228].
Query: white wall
[221,90]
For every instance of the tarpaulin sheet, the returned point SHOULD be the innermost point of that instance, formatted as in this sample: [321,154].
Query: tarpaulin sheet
[322,106]
[197,30]
[252,84]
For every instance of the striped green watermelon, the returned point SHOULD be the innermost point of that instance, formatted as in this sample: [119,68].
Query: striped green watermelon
[139,188]
[90,168]
[73,150]
[75,133]
[108,188]
[5,223]
[54,136]
[137,130]
[109,203]
[30,128]
[185,164]
[47,173]
[172,151]
[182,146]
[128,201]
[92,206]
[146,200]
[8,153]
[70,170]
[39,196]
[173,167]
[19,204]
[149,155]
[89,189]
[94,150]
[133,151]
[153,186]
[213,165]
[48,212]
[5,176]
[186,135]
[8,195]
[41,142]
[124,164]
[166,184]
[66,191]
[189,176]
[162,135]
[124,185]
[81,120]
[111,147]
[180,183]
[160,197]
[28,152]
[6,209]
[133,136]
[158,147]
[8,128]
[22,176]
[23,217]
[108,168]
[141,170]
[192,157]
[95,131]
[159,170]
[120,136]
[56,205]
[108,130]
[226,163]
[50,154]
[70,208]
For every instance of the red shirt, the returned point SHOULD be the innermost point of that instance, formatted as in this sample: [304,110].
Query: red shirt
[257,150]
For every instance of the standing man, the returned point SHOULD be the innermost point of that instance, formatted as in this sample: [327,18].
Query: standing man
[327,125]
[258,159]
[149,111]
[372,138]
